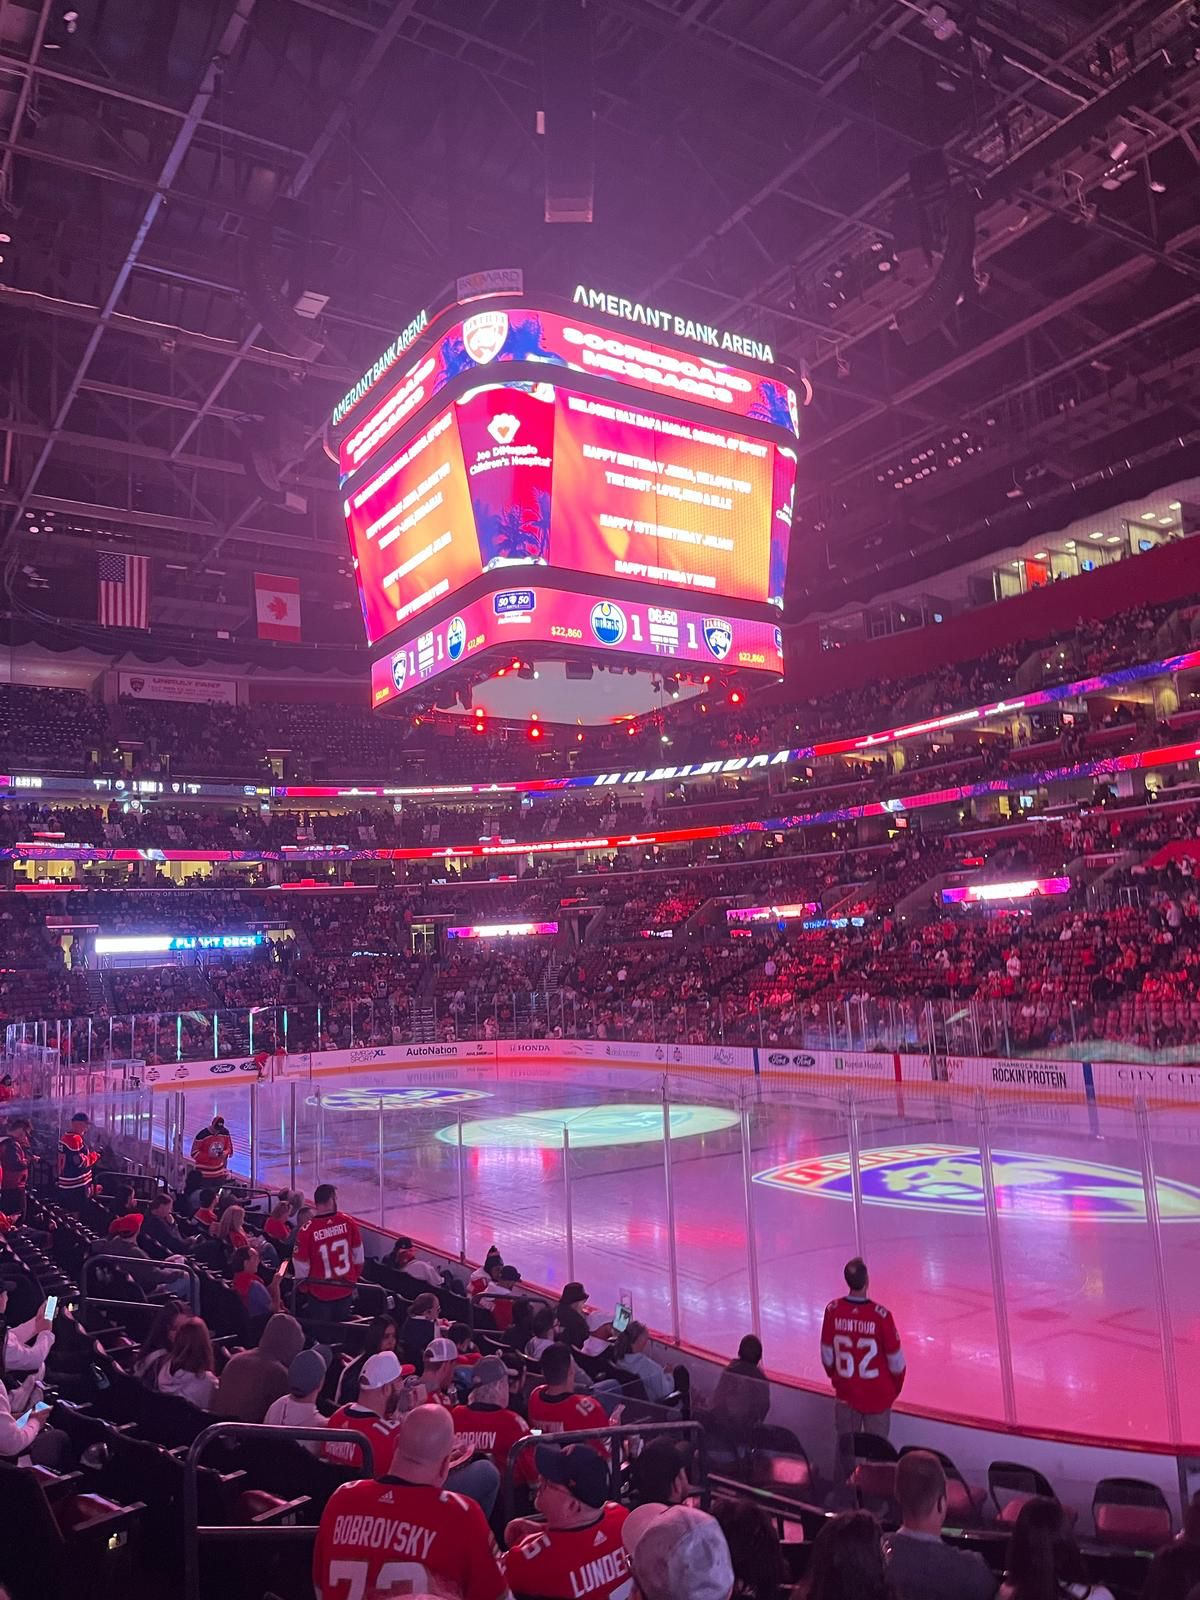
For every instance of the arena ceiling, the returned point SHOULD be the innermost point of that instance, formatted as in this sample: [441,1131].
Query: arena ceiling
[754,168]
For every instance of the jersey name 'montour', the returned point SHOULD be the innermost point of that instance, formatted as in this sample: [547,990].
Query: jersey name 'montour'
[860,1350]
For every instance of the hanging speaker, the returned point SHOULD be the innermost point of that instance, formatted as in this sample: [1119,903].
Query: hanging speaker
[568,111]
[270,445]
[264,274]
[953,281]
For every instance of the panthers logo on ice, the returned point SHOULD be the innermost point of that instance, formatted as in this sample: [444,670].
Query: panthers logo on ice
[393,1099]
[949,1178]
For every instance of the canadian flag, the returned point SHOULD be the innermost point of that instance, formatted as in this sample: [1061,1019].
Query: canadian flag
[277,607]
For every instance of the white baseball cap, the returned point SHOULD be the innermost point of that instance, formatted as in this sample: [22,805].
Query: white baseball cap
[380,1369]
[678,1551]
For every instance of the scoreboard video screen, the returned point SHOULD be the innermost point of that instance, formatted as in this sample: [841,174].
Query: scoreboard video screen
[549,466]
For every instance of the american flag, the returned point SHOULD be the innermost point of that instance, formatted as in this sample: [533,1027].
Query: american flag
[124,590]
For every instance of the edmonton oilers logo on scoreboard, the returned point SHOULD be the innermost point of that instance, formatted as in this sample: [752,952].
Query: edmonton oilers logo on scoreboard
[718,636]
[608,622]
[456,638]
[949,1179]
[399,668]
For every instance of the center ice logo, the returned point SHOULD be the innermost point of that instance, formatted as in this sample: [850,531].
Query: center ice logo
[949,1179]
[608,622]
[590,1127]
[718,636]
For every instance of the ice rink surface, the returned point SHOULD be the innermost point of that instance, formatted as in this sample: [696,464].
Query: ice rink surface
[1075,1249]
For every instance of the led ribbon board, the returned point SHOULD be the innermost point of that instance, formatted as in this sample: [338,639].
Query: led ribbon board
[1142,760]
[166,943]
[980,894]
[784,913]
[487,340]
[500,930]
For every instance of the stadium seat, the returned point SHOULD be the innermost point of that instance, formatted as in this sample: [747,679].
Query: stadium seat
[1010,1484]
[874,1476]
[786,1473]
[45,1544]
[1130,1512]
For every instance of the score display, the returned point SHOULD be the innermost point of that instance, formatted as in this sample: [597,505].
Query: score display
[519,617]
[518,475]
[534,475]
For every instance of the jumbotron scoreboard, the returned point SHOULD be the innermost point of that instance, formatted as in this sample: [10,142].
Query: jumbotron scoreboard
[594,480]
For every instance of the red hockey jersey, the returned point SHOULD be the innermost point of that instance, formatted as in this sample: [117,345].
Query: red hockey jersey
[329,1246]
[566,1563]
[860,1350]
[382,1538]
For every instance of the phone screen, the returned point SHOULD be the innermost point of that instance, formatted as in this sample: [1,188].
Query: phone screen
[50,1311]
[622,1317]
[34,1411]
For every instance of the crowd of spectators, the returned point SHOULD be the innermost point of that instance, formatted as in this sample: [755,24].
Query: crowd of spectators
[650,952]
[67,730]
[439,1375]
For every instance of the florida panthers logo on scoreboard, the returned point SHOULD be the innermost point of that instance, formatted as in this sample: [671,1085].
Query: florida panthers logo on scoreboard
[718,636]
[949,1178]
[399,669]
[483,335]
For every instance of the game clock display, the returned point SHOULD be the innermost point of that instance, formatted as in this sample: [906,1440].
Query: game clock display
[531,614]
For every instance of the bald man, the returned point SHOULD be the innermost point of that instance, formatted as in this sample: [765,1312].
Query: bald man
[407,1528]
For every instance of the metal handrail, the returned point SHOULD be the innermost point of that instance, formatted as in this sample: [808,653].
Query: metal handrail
[162,1270]
[194,1531]
[632,1430]
[291,1286]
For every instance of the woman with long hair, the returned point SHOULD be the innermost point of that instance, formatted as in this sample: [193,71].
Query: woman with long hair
[847,1562]
[188,1370]
[1043,1561]
[758,1565]
[630,1355]
[230,1228]
[381,1335]
[1174,1572]
[160,1337]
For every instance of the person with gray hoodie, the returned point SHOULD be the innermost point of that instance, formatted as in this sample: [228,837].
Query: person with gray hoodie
[254,1379]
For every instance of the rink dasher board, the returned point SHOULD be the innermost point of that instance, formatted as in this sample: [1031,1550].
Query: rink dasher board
[528,1060]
